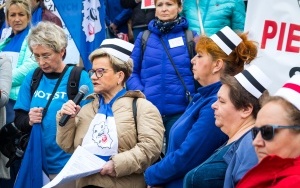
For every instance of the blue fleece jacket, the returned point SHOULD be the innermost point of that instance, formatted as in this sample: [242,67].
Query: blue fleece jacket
[193,138]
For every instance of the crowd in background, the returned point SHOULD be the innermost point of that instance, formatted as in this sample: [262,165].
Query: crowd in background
[172,99]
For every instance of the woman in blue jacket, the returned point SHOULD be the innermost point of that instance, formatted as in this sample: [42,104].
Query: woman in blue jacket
[153,72]
[194,136]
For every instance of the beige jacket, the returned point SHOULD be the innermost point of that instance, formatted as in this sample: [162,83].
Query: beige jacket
[5,86]
[132,158]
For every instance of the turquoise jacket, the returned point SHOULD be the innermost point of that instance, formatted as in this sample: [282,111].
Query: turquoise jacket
[215,15]
[24,65]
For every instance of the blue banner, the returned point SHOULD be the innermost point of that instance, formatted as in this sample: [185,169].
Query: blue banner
[85,21]
[34,163]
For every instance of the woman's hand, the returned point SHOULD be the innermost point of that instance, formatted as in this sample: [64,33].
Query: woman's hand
[108,169]
[35,115]
[70,108]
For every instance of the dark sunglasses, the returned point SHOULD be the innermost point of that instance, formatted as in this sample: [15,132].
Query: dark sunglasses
[268,131]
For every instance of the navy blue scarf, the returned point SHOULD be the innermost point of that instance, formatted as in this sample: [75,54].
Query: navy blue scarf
[166,27]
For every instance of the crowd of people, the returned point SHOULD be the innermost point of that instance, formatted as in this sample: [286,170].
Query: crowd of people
[183,84]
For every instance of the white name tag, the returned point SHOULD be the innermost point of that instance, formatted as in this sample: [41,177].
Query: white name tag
[176,42]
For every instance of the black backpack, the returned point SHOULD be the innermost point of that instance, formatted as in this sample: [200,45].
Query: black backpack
[73,81]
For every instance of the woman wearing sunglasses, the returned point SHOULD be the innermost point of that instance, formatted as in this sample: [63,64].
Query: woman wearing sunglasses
[276,138]
[235,112]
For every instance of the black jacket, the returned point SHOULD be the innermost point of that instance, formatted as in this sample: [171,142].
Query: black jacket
[140,17]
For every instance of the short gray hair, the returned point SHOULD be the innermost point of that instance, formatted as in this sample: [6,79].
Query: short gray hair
[49,35]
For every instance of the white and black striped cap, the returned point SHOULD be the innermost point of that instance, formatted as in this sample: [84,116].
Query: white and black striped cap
[291,91]
[119,48]
[226,39]
[254,80]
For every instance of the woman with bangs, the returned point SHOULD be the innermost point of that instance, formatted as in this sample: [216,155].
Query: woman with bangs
[235,113]
[276,138]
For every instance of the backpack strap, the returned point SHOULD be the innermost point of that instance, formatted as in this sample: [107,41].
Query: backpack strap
[134,109]
[35,81]
[73,82]
[134,112]
[190,43]
[145,37]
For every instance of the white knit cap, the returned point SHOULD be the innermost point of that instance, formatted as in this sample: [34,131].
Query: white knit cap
[291,91]
[226,39]
[254,80]
[119,48]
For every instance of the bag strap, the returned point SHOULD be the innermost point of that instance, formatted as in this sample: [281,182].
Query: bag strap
[145,37]
[202,31]
[54,90]
[190,42]
[134,111]
[35,81]
[73,82]
[188,94]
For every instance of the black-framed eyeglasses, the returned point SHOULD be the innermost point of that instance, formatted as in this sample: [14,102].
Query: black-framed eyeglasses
[99,72]
[42,57]
[268,131]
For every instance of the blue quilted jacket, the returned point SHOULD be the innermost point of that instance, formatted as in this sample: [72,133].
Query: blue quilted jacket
[215,15]
[154,74]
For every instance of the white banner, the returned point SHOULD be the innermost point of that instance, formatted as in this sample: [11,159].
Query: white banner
[275,25]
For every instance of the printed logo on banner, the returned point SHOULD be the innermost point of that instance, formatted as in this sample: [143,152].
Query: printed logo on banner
[91,19]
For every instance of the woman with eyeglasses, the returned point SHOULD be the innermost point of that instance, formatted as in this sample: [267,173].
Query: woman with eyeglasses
[276,138]
[108,126]
[235,112]
[48,43]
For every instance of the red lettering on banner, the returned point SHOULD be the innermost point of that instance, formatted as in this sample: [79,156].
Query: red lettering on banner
[281,35]
[266,34]
[292,37]
[270,32]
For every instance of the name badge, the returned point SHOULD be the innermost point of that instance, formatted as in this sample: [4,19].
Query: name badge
[176,42]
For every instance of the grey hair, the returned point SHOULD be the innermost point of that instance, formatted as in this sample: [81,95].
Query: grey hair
[23,4]
[49,35]
[117,64]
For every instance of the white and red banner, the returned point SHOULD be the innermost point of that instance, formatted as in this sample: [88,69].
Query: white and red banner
[275,25]
[146,4]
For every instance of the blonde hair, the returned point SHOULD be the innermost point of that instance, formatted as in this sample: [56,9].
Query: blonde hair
[116,63]
[23,4]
